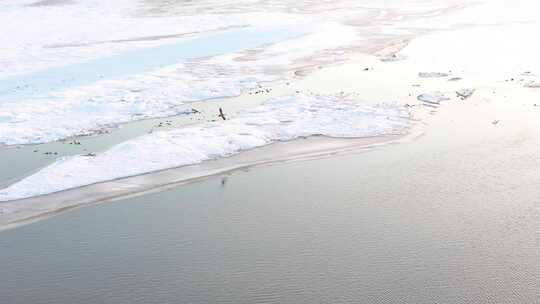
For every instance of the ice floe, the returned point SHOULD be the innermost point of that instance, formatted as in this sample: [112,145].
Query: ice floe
[432,99]
[280,119]
[533,85]
[465,93]
[433,74]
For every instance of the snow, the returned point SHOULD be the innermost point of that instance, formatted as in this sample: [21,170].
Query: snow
[90,64]
[280,119]
[432,99]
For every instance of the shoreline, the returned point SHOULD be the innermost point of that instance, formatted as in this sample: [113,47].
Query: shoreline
[316,79]
[287,84]
[428,193]
[305,149]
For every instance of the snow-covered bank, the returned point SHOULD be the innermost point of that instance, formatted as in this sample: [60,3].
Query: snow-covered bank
[282,119]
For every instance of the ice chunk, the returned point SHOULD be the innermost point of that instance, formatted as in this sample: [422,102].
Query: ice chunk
[432,99]
[533,85]
[433,74]
[465,93]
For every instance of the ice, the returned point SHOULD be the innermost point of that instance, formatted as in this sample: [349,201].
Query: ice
[533,85]
[92,29]
[433,74]
[280,119]
[465,93]
[82,110]
[72,107]
[92,64]
[432,99]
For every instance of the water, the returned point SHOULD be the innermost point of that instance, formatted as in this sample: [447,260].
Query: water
[363,228]
[450,218]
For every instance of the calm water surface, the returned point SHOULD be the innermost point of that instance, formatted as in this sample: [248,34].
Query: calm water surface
[349,229]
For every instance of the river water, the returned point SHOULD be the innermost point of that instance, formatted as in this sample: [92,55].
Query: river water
[386,226]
